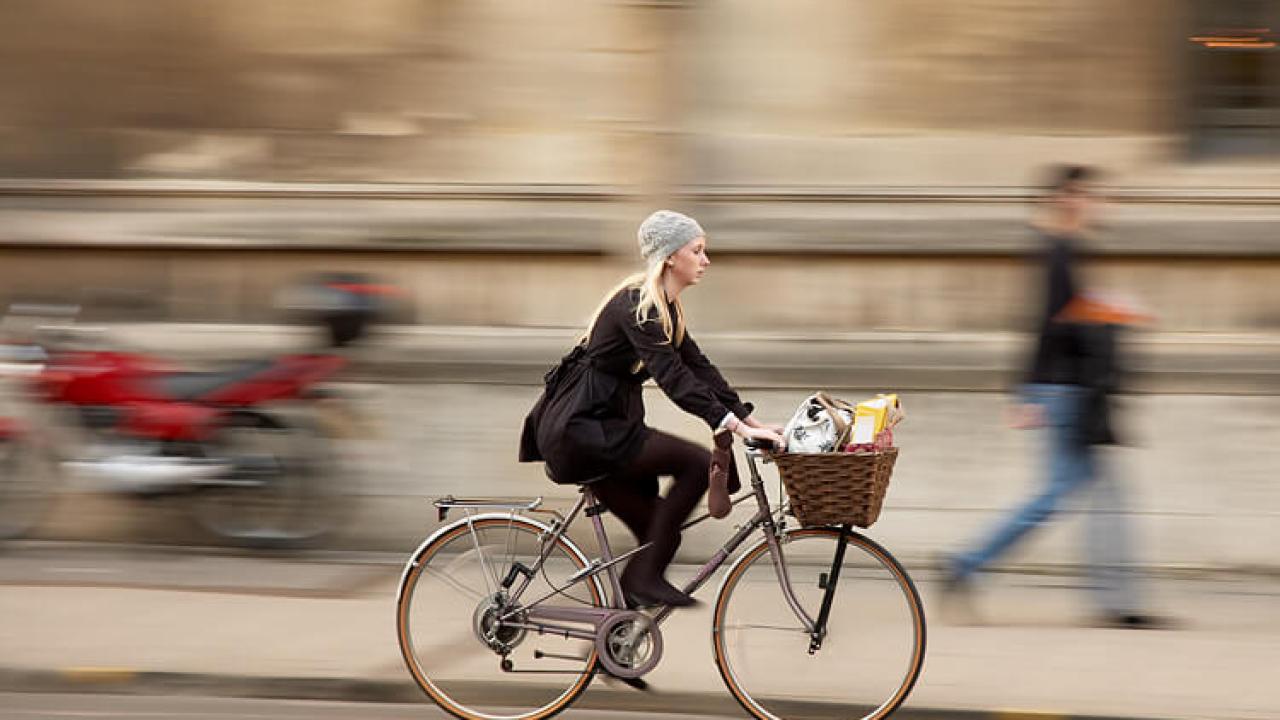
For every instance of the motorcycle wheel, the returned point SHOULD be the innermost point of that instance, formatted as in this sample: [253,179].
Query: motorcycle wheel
[281,491]
[24,491]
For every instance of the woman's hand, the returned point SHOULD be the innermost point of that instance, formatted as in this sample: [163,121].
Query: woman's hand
[759,434]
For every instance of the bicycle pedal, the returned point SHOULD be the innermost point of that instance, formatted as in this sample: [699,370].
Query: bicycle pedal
[822,581]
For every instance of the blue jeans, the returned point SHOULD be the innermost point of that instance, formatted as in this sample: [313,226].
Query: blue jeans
[1072,467]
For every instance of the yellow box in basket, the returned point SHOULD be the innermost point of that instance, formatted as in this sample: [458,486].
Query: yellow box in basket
[872,416]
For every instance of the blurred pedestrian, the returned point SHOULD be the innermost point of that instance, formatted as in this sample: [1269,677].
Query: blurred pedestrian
[588,426]
[1072,377]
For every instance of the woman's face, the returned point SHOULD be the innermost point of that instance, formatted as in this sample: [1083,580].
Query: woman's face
[687,264]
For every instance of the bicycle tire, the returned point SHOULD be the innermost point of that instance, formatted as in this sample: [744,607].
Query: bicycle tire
[449,558]
[846,677]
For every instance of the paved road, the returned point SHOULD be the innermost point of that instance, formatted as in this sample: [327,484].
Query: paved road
[22,706]
[152,621]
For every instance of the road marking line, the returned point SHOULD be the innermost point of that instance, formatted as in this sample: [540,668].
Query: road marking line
[98,674]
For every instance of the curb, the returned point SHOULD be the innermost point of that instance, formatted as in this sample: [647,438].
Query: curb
[602,695]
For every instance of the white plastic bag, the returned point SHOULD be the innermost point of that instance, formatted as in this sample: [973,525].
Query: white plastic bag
[819,425]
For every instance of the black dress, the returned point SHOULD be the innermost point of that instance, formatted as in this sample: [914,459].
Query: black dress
[589,420]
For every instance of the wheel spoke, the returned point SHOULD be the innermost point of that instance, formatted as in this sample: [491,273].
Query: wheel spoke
[489,572]
[453,582]
[759,626]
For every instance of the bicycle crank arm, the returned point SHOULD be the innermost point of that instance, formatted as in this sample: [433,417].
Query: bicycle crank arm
[538,655]
[510,667]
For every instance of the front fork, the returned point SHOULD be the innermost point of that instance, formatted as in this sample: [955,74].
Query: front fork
[830,581]
[775,535]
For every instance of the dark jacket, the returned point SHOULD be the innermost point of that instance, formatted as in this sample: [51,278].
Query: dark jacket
[1057,354]
[1082,354]
[589,420]
[1100,376]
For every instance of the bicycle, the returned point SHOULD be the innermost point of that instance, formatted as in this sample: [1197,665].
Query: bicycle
[486,632]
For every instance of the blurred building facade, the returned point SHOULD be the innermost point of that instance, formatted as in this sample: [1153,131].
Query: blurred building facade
[494,155]
[864,167]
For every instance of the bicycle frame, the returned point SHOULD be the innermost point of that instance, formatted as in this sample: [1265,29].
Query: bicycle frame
[547,619]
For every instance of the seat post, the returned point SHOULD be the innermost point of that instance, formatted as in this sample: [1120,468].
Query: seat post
[594,509]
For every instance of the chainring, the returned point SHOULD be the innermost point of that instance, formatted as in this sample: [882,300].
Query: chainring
[629,644]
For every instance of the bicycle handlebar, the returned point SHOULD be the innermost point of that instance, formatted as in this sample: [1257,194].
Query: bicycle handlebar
[766,445]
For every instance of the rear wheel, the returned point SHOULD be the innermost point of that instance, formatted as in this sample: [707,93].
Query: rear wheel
[462,636]
[281,490]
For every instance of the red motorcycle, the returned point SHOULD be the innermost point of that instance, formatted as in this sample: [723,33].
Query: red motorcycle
[246,445]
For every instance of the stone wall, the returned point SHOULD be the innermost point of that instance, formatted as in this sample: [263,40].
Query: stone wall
[594,92]
[871,157]
[922,92]
[376,90]
[1190,508]
[807,295]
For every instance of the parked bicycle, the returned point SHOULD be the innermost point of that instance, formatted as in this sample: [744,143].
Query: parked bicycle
[501,615]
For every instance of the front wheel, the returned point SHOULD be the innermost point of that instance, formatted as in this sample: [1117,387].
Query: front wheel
[872,651]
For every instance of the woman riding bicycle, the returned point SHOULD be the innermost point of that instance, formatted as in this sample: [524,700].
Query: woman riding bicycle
[588,426]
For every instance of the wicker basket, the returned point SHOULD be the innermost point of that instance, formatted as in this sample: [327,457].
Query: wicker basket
[836,488]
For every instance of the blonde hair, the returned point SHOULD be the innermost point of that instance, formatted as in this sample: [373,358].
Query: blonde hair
[652,297]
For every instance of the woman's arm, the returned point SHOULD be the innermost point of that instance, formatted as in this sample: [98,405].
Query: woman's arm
[672,374]
[742,422]
[710,374]
[685,387]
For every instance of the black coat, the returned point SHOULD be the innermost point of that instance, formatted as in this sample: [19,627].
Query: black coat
[1056,359]
[1100,374]
[1082,354]
[589,420]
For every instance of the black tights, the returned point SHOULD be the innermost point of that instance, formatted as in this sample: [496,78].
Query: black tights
[632,495]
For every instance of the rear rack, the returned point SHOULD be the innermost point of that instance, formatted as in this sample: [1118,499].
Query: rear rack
[449,502]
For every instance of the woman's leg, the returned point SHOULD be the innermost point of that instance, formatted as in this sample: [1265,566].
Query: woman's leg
[634,500]
[688,464]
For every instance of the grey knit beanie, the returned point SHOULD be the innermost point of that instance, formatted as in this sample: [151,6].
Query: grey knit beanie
[665,232]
